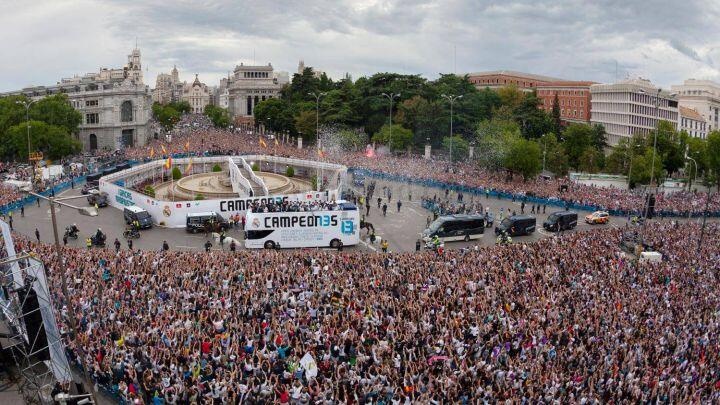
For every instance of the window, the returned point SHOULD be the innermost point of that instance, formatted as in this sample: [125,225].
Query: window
[126,111]
[92,118]
[91,103]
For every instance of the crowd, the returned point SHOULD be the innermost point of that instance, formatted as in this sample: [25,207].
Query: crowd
[294,206]
[569,319]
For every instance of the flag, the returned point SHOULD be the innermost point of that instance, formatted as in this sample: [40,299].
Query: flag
[321,153]
[276,142]
[189,167]
[168,163]
[308,363]
[163,149]
[187,146]
[262,143]
[152,152]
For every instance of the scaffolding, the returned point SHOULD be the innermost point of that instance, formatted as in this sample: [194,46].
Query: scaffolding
[30,330]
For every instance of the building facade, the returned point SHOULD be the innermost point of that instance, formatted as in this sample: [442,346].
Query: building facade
[249,85]
[629,107]
[703,96]
[114,103]
[196,94]
[168,87]
[573,99]
[502,78]
[692,122]
[301,68]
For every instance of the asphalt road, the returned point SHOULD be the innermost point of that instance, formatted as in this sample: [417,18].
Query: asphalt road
[400,229]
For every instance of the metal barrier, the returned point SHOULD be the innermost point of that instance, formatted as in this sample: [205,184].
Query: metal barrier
[15,205]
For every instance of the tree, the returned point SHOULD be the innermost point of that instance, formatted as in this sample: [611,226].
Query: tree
[641,169]
[494,139]
[598,137]
[590,161]
[458,145]
[305,124]
[219,116]
[713,155]
[554,154]
[53,141]
[524,158]
[349,139]
[217,168]
[176,173]
[277,113]
[397,139]
[577,138]
[556,119]
[166,115]
[290,171]
[510,96]
[56,110]
[697,150]
[182,107]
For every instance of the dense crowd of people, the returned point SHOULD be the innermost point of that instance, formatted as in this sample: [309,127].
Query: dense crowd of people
[294,206]
[569,319]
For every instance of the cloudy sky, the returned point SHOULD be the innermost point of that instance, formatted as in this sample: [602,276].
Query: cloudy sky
[666,41]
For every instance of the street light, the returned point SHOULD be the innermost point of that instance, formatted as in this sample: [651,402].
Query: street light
[451,98]
[696,170]
[89,211]
[390,97]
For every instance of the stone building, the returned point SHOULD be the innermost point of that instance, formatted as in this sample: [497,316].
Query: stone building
[692,122]
[197,94]
[573,99]
[114,103]
[168,87]
[249,85]
[703,96]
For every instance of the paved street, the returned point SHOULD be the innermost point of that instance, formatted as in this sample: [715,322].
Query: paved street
[400,229]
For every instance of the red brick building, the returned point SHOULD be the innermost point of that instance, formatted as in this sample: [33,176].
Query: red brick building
[573,97]
[501,78]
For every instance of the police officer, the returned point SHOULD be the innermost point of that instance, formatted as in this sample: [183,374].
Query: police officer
[384,210]
[208,245]
[232,245]
[165,246]
[417,245]
[130,244]
[117,245]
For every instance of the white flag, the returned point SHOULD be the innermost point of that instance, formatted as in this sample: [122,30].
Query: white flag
[308,363]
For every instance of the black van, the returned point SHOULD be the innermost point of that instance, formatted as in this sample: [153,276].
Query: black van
[517,225]
[456,227]
[561,221]
[197,221]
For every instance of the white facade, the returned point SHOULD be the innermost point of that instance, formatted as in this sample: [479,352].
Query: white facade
[114,103]
[168,87]
[629,107]
[702,96]
[249,85]
[197,95]
[692,122]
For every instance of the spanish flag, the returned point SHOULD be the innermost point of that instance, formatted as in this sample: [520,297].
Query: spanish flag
[321,153]
[187,146]
[168,163]
[276,142]
[163,149]
[152,152]
[262,143]
[188,168]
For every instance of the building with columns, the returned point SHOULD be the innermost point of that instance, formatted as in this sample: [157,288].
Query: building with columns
[703,96]
[629,107]
[573,99]
[249,85]
[114,103]
[197,94]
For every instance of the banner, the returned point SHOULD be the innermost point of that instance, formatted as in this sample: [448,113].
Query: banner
[308,363]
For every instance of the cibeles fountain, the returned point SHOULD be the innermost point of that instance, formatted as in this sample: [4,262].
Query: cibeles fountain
[218,185]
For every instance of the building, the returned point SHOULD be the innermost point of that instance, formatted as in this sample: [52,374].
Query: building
[501,78]
[249,85]
[703,96]
[573,99]
[692,122]
[221,94]
[301,68]
[114,103]
[196,94]
[629,107]
[168,87]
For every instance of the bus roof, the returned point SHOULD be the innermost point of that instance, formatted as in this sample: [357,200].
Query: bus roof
[202,214]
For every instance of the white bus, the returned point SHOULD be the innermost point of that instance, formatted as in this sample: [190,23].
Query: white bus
[272,230]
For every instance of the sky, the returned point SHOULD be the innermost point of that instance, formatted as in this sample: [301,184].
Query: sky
[665,41]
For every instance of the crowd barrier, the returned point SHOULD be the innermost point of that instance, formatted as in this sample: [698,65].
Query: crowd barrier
[15,205]
[529,199]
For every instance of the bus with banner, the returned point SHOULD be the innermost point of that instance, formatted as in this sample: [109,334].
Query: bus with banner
[304,229]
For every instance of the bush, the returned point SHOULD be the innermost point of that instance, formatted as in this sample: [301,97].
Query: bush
[199,197]
[290,171]
[150,190]
[256,167]
[217,168]
[176,173]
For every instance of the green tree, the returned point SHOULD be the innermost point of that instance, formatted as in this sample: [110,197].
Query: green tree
[350,139]
[641,168]
[713,155]
[182,107]
[397,139]
[424,118]
[554,154]
[11,112]
[598,137]
[697,150]
[255,167]
[290,171]
[577,138]
[556,119]
[150,191]
[56,110]
[176,173]
[524,157]
[494,139]
[53,141]
[277,113]
[219,116]
[458,145]
[305,124]
[217,168]
[590,161]
[166,115]
[510,96]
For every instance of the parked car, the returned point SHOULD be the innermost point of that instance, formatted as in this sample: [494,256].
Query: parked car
[598,217]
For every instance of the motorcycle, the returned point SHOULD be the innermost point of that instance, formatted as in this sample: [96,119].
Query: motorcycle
[503,239]
[131,233]
[432,246]
[71,233]
[98,242]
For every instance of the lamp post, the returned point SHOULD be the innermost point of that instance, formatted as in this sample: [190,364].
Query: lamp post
[27,104]
[391,97]
[89,211]
[317,96]
[451,98]
[695,174]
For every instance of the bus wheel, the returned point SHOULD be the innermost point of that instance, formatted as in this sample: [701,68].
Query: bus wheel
[269,245]
[467,238]
[335,243]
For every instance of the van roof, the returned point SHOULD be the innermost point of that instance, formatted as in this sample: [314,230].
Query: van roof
[134,208]
[563,213]
[201,214]
[520,217]
[461,216]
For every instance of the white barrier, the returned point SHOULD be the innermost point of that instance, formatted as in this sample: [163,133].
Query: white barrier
[253,176]
[239,183]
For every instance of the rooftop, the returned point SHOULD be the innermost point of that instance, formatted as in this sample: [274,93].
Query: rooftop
[690,113]
[516,74]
